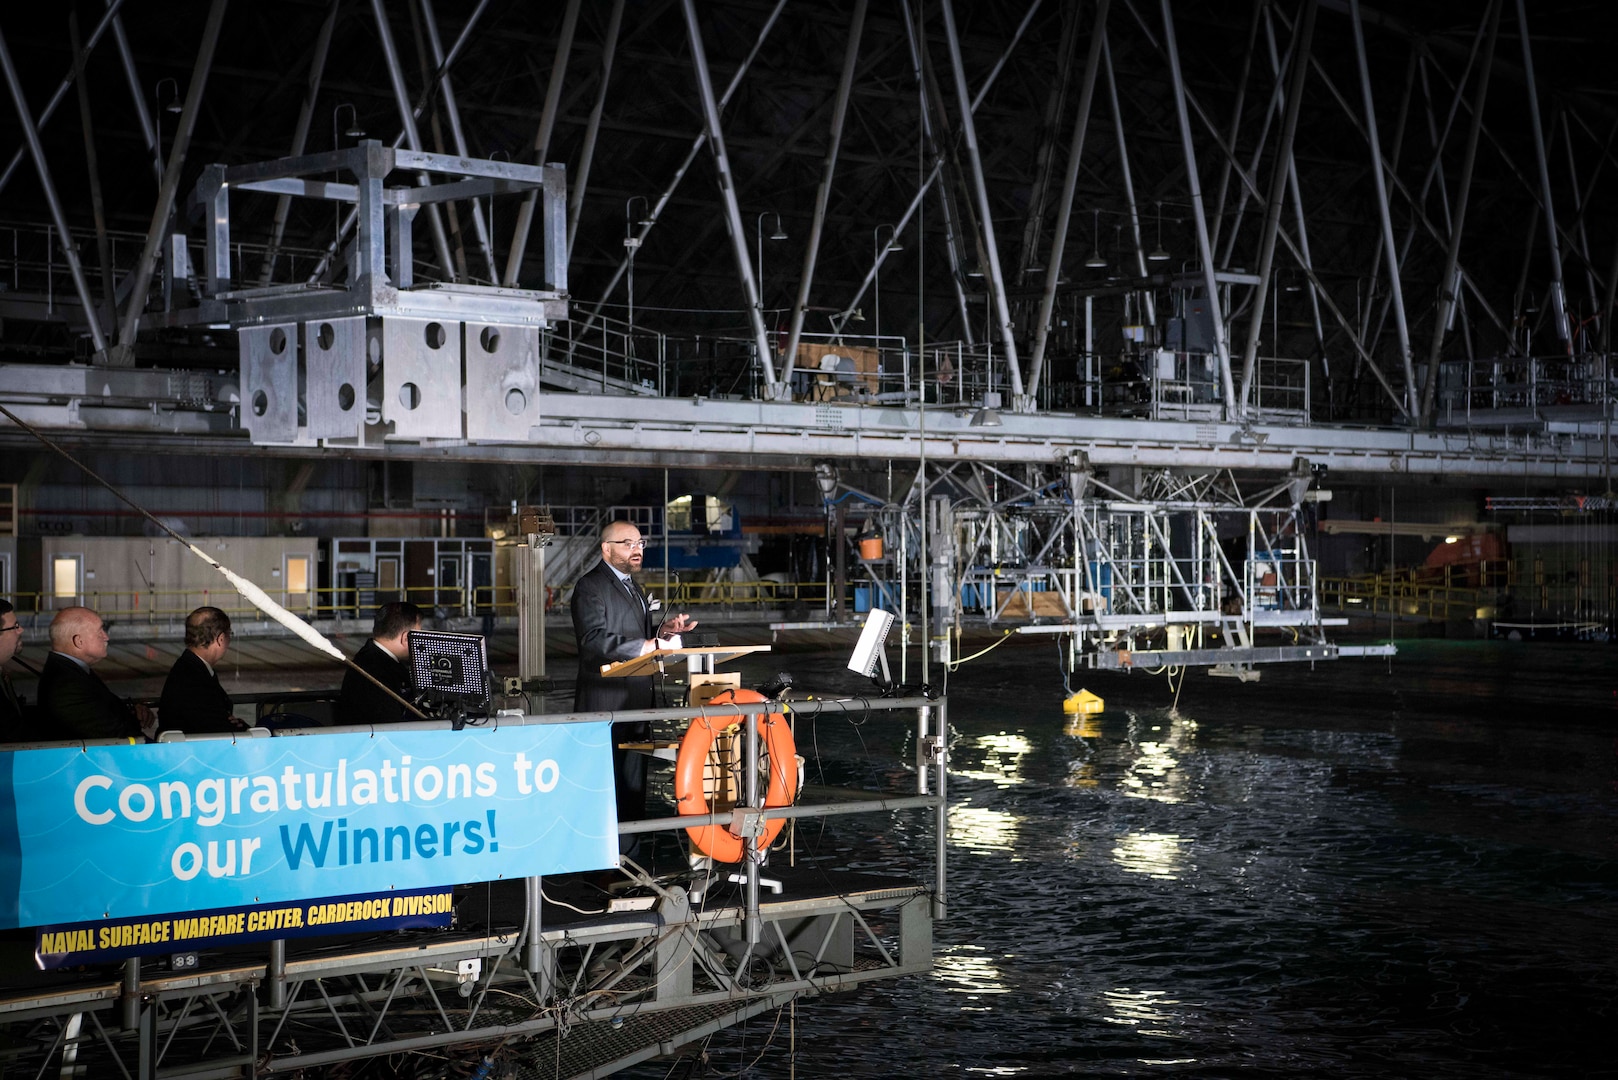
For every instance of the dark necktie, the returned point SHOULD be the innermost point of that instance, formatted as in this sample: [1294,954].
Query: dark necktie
[629,584]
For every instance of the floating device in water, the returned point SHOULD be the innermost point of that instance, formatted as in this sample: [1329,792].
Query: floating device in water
[1083,703]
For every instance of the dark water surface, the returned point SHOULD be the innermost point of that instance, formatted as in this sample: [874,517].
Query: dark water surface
[1364,870]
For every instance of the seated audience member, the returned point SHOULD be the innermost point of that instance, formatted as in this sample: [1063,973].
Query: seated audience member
[193,701]
[11,726]
[360,702]
[73,701]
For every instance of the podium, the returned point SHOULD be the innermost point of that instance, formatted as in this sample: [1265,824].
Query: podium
[652,663]
[702,681]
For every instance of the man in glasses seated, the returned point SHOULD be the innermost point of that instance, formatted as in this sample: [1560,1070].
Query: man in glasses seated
[614,620]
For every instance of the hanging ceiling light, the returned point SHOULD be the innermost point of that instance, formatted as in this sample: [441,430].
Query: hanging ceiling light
[1158,254]
[1095,261]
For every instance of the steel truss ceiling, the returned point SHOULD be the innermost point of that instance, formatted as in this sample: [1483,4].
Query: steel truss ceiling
[1368,191]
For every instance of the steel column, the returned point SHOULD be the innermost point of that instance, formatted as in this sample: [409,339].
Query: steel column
[1302,38]
[934,140]
[1582,237]
[300,138]
[1064,209]
[1558,299]
[155,233]
[679,174]
[1260,10]
[137,95]
[727,191]
[61,90]
[31,136]
[480,228]
[1412,398]
[401,97]
[806,279]
[980,185]
[421,103]
[542,141]
[941,814]
[938,164]
[98,208]
[1204,246]
[1448,294]
[1124,170]
[581,175]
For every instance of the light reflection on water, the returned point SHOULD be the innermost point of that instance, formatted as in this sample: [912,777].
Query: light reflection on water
[998,757]
[1156,855]
[1150,1012]
[975,828]
[964,969]
[1358,871]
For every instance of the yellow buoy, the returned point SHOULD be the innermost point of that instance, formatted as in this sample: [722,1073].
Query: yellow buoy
[1083,703]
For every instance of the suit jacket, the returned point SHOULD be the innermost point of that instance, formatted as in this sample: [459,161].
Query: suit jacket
[11,725]
[360,702]
[193,701]
[610,624]
[76,704]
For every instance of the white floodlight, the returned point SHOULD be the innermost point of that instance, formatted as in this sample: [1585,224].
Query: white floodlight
[870,651]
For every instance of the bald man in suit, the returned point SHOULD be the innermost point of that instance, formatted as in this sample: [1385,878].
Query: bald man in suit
[73,700]
[613,621]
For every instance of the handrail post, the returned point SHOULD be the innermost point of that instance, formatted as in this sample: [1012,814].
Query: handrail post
[941,814]
[749,844]
[277,974]
[924,717]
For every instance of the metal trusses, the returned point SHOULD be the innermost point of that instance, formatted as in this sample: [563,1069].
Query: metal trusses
[1377,202]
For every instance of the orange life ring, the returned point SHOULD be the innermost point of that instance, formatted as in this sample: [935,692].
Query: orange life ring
[717,841]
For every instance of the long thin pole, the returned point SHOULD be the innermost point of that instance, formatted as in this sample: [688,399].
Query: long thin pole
[270,607]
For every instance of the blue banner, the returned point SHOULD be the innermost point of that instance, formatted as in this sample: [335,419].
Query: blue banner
[118,831]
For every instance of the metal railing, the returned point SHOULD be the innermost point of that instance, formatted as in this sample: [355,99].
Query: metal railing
[1472,389]
[1467,591]
[700,948]
[154,606]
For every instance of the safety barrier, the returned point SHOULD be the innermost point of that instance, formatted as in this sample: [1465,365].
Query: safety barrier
[170,605]
[1468,591]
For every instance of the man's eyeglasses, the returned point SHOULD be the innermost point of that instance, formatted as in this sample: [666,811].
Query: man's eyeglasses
[634,545]
[8,629]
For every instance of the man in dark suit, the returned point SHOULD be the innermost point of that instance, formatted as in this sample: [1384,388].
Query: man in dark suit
[360,702]
[73,700]
[613,621]
[11,728]
[193,701]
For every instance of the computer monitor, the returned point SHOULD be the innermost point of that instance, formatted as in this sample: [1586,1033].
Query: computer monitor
[449,666]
